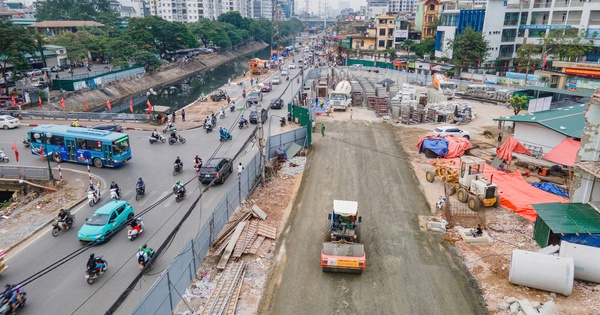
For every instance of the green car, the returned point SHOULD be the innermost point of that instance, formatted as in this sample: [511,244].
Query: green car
[105,221]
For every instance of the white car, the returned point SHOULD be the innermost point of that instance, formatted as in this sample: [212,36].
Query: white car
[284,72]
[450,130]
[7,122]
[276,80]
[292,65]
[31,72]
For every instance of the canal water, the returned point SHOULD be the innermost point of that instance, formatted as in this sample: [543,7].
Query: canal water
[186,91]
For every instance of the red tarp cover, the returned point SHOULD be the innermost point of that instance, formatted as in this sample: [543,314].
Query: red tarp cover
[511,145]
[565,153]
[457,146]
[515,193]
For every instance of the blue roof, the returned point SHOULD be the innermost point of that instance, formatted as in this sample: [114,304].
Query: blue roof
[75,131]
[568,120]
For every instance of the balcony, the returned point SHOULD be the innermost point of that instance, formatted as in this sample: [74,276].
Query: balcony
[505,55]
[508,39]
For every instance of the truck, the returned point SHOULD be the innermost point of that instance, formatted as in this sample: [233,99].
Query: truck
[258,66]
[442,84]
[341,97]
[342,249]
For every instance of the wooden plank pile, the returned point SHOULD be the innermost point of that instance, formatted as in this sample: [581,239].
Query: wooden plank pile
[243,235]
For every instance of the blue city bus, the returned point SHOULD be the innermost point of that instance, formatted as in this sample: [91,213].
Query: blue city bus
[81,145]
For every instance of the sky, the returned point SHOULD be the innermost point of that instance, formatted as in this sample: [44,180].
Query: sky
[314,4]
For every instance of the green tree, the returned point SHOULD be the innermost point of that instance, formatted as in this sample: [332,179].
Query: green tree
[232,17]
[567,44]
[425,47]
[147,59]
[518,103]
[391,53]
[527,56]
[75,44]
[166,36]
[470,48]
[15,42]
[77,10]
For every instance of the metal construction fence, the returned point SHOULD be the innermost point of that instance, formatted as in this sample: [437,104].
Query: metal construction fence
[92,80]
[64,115]
[168,289]
[23,172]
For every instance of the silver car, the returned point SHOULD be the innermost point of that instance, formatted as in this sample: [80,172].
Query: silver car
[276,80]
[8,122]
[450,130]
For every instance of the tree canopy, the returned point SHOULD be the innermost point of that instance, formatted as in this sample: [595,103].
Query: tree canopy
[567,44]
[15,43]
[77,10]
[470,48]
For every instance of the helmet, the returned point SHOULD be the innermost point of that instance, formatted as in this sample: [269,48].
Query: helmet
[92,255]
[144,246]
[113,181]
[8,285]
[196,155]
[140,178]
[178,182]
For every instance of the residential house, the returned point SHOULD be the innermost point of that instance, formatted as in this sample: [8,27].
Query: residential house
[385,25]
[50,28]
[430,16]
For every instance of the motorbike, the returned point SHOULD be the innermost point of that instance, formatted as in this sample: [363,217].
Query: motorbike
[298,80]
[57,228]
[139,192]
[225,137]
[208,127]
[5,304]
[222,115]
[160,138]
[232,108]
[114,194]
[197,167]
[3,157]
[132,233]
[177,168]
[282,121]
[213,120]
[92,274]
[93,198]
[167,128]
[174,140]
[242,124]
[27,141]
[179,193]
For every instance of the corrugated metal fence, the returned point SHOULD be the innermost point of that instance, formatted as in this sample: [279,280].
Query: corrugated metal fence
[166,292]
[23,172]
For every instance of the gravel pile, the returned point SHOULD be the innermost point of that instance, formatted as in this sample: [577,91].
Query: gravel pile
[294,166]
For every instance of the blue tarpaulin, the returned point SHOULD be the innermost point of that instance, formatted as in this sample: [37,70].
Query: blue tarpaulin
[582,239]
[551,188]
[435,145]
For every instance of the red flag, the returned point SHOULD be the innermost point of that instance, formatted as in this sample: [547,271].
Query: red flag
[62,103]
[108,105]
[14,147]
[131,105]
[86,105]
[519,67]
[14,101]
[479,63]
[149,107]
[544,61]
[40,102]
[42,152]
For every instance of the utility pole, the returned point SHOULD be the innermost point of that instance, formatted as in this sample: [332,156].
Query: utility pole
[261,143]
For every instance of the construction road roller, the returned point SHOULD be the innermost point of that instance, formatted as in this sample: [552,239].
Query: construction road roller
[342,250]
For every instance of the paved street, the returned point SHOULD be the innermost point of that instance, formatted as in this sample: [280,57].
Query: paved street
[64,290]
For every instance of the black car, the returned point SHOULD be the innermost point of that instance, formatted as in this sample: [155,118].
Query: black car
[218,167]
[108,127]
[254,116]
[276,103]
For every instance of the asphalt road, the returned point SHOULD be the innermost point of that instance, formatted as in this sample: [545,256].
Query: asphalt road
[407,272]
[65,290]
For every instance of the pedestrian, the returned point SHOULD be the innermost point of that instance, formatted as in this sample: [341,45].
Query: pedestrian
[350,113]
[183,114]
[170,117]
[323,130]
[240,168]
[244,72]
[314,126]
[499,139]
[251,82]
[174,114]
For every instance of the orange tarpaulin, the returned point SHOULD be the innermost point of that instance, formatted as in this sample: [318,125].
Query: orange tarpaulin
[565,153]
[457,146]
[518,195]
[511,145]
[515,193]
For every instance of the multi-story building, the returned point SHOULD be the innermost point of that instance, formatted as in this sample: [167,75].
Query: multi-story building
[517,22]
[397,6]
[193,10]
[377,7]
[402,27]
[133,8]
[385,25]
[454,18]
[430,15]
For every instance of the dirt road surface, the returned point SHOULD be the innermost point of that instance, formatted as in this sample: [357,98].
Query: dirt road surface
[408,271]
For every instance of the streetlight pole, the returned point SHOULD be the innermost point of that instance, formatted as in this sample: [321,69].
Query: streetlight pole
[44,137]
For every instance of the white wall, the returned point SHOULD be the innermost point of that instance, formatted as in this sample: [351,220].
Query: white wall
[534,134]
[446,48]
[494,22]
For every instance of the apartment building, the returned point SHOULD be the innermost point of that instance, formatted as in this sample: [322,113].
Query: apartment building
[516,22]
[455,17]
[377,7]
[192,10]
[402,6]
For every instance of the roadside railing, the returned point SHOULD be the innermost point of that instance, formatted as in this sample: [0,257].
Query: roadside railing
[60,115]
[23,172]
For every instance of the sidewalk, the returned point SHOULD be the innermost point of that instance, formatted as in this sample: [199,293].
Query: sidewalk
[24,220]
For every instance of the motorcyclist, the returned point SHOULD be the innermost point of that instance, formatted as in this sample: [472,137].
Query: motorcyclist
[178,163]
[144,253]
[222,132]
[243,121]
[179,189]
[206,121]
[155,134]
[13,296]
[213,119]
[135,225]
[64,219]
[140,185]
[114,185]
[197,163]
[75,123]
[95,263]
[174,135]
[222,112]
[94,190]
[232,106]
[298,80]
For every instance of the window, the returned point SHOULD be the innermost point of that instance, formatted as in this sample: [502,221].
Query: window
[382,31]
[57,140]
[431,7]
[120,209]
[80,144]
[113,216]
[381,43]
[94,145]
[511,19]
